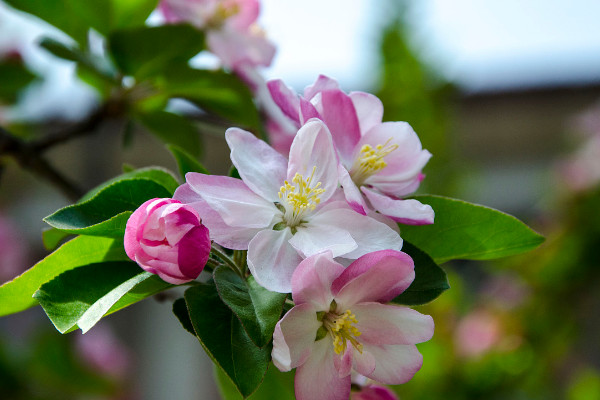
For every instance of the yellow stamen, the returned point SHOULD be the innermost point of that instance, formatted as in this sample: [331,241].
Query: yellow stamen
[343,331]
[221,14]
[370,161]
[299,196]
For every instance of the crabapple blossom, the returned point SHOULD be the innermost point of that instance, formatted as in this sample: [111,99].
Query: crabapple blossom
[232,33]
[382,161]
[340,323]
[167,238]
[283,210]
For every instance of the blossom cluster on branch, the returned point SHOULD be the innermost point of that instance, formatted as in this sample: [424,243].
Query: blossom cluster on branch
[304,257]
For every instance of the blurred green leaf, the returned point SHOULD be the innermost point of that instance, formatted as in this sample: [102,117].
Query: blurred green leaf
[14,77]
[185,162]
[74,17]
[257,308]
[215,91]
[172,129]
[469,231]
[224,339]
[430,280]
[147,51]
[82,296]
[130,13]
[275,381]
[16,295]
[92,69]
[159,175]
[106,213]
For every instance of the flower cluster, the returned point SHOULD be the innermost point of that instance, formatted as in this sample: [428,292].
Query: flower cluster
[232,33]
[334,201]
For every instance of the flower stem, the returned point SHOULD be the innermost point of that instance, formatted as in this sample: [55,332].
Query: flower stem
[225,258]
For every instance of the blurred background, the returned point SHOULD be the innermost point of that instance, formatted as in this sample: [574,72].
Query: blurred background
[506,95]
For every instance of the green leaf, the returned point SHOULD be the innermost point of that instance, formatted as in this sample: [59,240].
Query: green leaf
[224,340]
[14,76]
[148,51]
[275,382]
[52,237]
[185,162]
[106,213]
[257,308]
[130,13]
[82,296]
[172,128]
[430,280]
[159,175]
[95,70]
[74,17]
[181,312]
[16,295]
[215,91]
[469,231]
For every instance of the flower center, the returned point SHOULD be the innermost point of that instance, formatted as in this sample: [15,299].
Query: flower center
[342,330]
[370,161]
[299,197]
[222,12]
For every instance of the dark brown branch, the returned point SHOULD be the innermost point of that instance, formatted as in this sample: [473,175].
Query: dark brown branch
[31,159]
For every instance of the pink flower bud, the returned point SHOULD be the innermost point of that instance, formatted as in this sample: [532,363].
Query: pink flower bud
[167,238]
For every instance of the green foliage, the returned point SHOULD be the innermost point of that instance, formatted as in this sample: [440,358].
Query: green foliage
[257,308]
[106,213]
[158,175]
[275,381]
[82,296]
[468,231]
[52,237]
[430,280]
[215,91]
[16,295]
[14,76]
[224,339]
[186,162]
[172,129]
[144,52]
[75,17]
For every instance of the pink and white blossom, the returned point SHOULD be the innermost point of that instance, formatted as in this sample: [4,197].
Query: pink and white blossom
[232,33]
[167,238]
[340,323]
[382,161]
[283,211]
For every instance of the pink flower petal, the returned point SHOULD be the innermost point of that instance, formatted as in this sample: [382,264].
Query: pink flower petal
[410,212]
[307,111]
[311,281]
[272,260]
[339,115]
[322,83]
[369,234]
[247,13]
[235,48]
[353,195]
[364,363]
[378,276]
[294,337]
[369,110]
[343,363]
[312,147]
[233,200]
[235,238]
[317,237]
[318,379]
[286,99]
[389,324]
[261,168]
[194,249]
[394,364]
